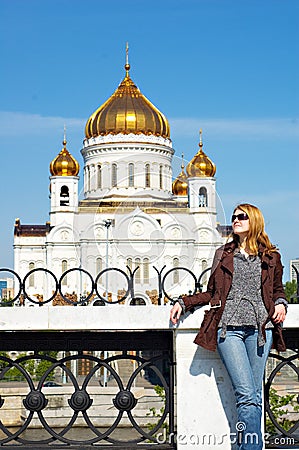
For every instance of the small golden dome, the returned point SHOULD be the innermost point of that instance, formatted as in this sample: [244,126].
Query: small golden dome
[180,184]
[127,111]
[201,165]
[64,165]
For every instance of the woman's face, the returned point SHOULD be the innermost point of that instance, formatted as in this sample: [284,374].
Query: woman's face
[240,222]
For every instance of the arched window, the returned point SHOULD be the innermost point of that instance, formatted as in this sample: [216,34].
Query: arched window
[176,277]
[146,270]
[130,263]
[64,269]
[147,175]
[31,277]
[131,175]
[114,175]
[137,273]
[64,196]
[99,176]
[161,176]
[99,265]
[203,197]
[204,266]
[88,178]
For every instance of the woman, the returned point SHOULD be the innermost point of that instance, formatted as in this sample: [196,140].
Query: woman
[247,307]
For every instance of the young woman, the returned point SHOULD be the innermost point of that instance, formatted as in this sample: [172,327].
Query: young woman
[248,305]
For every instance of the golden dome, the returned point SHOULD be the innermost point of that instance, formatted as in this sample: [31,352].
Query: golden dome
[64,165]
[201,165]
[180,184]
[127,111]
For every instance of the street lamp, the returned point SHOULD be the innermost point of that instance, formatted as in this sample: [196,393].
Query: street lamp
[107,225]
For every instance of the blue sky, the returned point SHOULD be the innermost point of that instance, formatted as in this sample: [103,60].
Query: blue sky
[230,67]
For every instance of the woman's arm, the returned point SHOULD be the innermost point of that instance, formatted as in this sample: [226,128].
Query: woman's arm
[279,296]
[175,313]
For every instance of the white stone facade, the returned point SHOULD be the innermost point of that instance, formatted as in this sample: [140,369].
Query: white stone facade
[128,181]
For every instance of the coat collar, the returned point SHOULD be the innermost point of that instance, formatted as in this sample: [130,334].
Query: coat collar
[227,262]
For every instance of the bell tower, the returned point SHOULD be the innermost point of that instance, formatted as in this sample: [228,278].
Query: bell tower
[201,183]
[64,179]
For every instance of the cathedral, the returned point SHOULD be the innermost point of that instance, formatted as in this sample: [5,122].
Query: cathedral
[132,215]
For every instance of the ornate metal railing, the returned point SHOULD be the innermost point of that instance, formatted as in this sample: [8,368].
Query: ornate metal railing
[94,288]
[122,403]
[282,427]
[282,396]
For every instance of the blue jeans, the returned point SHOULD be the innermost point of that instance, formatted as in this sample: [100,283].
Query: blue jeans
[245,363]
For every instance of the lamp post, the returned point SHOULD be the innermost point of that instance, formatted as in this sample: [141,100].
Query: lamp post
[107,224]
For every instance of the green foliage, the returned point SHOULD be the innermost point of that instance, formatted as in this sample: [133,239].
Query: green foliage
[14,374]
[158,414]
[290,289]
[277,403]
[3,363]
[5,302]
[44,365]
[35,367]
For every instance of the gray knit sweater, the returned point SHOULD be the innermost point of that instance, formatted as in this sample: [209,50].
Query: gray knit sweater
[244,304]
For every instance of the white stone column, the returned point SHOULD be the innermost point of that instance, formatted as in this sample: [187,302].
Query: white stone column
[205,399]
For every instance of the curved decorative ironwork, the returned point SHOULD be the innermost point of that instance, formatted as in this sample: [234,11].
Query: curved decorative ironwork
[80,401]
[27,277]
[82,300]
[281,408]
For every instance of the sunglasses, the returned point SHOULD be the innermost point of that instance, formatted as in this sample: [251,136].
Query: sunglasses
[241,216]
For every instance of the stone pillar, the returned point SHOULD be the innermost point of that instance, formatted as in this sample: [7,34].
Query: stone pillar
[206,413]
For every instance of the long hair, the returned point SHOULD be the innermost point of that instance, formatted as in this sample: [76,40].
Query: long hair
[256,234]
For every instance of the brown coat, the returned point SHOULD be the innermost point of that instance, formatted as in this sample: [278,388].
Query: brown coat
[218,288]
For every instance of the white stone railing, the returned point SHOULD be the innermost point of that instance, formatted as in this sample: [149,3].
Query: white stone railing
[205,400]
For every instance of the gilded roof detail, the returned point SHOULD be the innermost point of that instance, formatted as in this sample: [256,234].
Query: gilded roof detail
[127,111]
[64,165]
[201,165]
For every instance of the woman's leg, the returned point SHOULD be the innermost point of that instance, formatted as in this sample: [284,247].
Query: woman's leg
[258,358]
[245,363]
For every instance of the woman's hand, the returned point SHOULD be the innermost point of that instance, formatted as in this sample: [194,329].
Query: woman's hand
[175,313]
[279,313]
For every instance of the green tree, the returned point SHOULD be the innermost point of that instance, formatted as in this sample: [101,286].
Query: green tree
[290,290]
[5,302]
[280,411]
[44,365]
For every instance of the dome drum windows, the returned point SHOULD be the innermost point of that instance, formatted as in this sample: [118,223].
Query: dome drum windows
[99,176]
[161,177]
[131,174]
[147,175]
[114,175]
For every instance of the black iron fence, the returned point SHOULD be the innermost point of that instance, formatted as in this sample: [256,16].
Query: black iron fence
[282,395]
[101,354]
[131,411]
[95,288]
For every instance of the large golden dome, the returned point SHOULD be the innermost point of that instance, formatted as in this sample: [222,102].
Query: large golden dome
[64,165]
[127,111]
[201,165]
[180,184]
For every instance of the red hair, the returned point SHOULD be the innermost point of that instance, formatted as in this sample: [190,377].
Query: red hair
[256,234]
